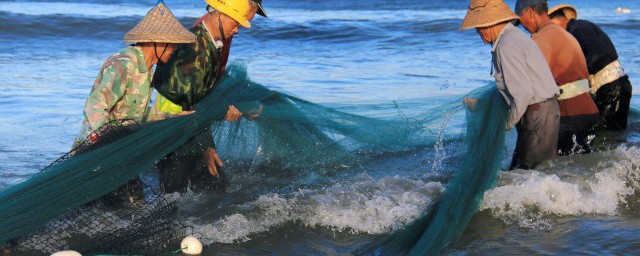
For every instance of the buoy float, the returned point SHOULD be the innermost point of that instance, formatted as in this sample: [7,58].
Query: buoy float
[66,253]
[191,245]
[623,10]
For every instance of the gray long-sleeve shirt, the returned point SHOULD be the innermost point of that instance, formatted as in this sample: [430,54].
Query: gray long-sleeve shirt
[522,74]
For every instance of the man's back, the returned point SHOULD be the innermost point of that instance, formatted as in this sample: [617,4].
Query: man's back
[562,52]
[596,45]
[567,64]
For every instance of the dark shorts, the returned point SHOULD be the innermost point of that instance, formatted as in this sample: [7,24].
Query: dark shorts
[537,135]
[613,101]
[576,134]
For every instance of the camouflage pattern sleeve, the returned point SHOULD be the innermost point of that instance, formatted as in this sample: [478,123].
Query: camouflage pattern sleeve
[176,78]
[109,87]
[191,71]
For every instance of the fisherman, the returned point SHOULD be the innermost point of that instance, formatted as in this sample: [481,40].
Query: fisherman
[122,90]
[163,105]
[187,77]
[256,8]
[579,113]
[610,86]
[523,79]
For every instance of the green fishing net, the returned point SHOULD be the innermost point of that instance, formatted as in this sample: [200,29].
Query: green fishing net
[64,207]
[448,217]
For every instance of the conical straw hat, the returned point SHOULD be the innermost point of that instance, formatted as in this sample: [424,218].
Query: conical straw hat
[160,26]
[485,13]
[569,11]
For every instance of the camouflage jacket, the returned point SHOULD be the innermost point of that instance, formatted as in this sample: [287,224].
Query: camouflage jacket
[191,71]
[122,90]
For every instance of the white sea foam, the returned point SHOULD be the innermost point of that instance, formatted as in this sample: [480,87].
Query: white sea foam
[372,207]
[526,198]
[530,197]
[272,210]
[365,206]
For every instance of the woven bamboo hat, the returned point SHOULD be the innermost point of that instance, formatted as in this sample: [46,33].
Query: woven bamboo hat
[569,11]
[485,13]
[160,26]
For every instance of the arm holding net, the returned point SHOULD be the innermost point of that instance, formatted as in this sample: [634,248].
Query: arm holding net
[105,94]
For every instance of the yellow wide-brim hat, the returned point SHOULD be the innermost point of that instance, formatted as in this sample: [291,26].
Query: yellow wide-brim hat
[569,11]
[485,13]
[160,26]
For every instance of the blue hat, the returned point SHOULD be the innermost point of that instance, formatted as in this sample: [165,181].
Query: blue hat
[523,4]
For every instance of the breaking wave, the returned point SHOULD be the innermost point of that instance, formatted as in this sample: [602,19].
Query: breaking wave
[532,198]
[365,206]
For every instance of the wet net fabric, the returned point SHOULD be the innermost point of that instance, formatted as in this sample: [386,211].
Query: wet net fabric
[448,217]
[61,207]
[95,229]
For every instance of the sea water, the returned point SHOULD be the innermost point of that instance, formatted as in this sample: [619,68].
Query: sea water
[352,55]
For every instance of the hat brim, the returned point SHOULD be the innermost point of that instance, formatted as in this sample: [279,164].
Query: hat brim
[261,11]
[160,26]
[486,14]
[569,11]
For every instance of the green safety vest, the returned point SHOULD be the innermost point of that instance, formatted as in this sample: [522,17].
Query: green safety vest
[164,105]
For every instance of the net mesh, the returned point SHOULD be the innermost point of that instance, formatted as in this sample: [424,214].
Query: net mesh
[96,228]
[448,217]
[64,206]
